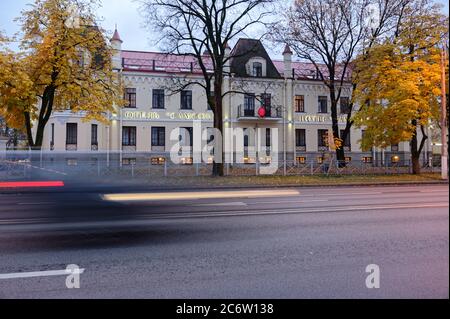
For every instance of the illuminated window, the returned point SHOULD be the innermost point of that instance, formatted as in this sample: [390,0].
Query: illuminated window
[187,161]
[320,160]
[129,161]
[72,162]
[301,160]
[395,159]
[367,159]
[158,160]
[348,159]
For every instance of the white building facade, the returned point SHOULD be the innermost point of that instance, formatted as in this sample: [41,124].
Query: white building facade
[294,102]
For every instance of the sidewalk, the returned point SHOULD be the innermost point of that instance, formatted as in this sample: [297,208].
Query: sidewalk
[186,183]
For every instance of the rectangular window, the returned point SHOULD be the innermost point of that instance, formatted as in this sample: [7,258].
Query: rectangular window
[268,137]
[301,160]
[94,134]
[257,69]
[323,104]
[348,160]
[187,136]
[322,138]
[129,161]
[72,162]
[158,136]
[52,141]
[213,97]
[300,104]
[300,137]
[211,137]
[130,98]
[266,102]
[129,136]
[72,134]
[345,105]
[347,142]
[157,160]
[367,160]
[186,100]
[158,99]
[249,105]
[246,138]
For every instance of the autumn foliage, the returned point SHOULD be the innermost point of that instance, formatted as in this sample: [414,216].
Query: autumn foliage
[64,64]
[399,83]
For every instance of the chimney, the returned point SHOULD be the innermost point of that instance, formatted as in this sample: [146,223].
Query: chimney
[287,58]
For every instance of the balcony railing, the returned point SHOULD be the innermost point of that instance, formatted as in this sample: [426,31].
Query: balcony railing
[273,113]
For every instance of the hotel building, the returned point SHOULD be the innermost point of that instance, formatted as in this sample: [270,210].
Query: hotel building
[294,100]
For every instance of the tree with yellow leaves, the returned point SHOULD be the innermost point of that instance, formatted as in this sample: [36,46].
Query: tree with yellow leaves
[398,84]
[65,63]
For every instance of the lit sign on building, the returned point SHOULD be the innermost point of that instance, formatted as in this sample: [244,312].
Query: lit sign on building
[134,115]
[141,116]
[319,119]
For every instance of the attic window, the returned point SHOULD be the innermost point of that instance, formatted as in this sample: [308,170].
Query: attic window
[257,69]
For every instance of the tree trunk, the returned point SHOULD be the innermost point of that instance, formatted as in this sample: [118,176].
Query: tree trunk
[218,165]
[415,153]
[416,164]
[44,116]
[340,152]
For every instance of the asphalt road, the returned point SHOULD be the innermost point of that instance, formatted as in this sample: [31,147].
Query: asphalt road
[285,243]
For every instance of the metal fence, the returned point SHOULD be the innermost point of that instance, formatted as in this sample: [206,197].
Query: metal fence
[93,165]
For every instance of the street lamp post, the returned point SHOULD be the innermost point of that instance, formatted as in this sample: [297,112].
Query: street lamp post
[444,157]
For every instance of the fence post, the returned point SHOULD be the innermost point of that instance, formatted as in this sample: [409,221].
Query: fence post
[132,170]
[165,168]
[257,166]
[312,168]
[98,168]
[197,171]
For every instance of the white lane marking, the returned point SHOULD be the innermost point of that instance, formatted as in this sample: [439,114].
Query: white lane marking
[36,274]
[220,204]
[30,204]
[343,193]
[436,191]
[299,201]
